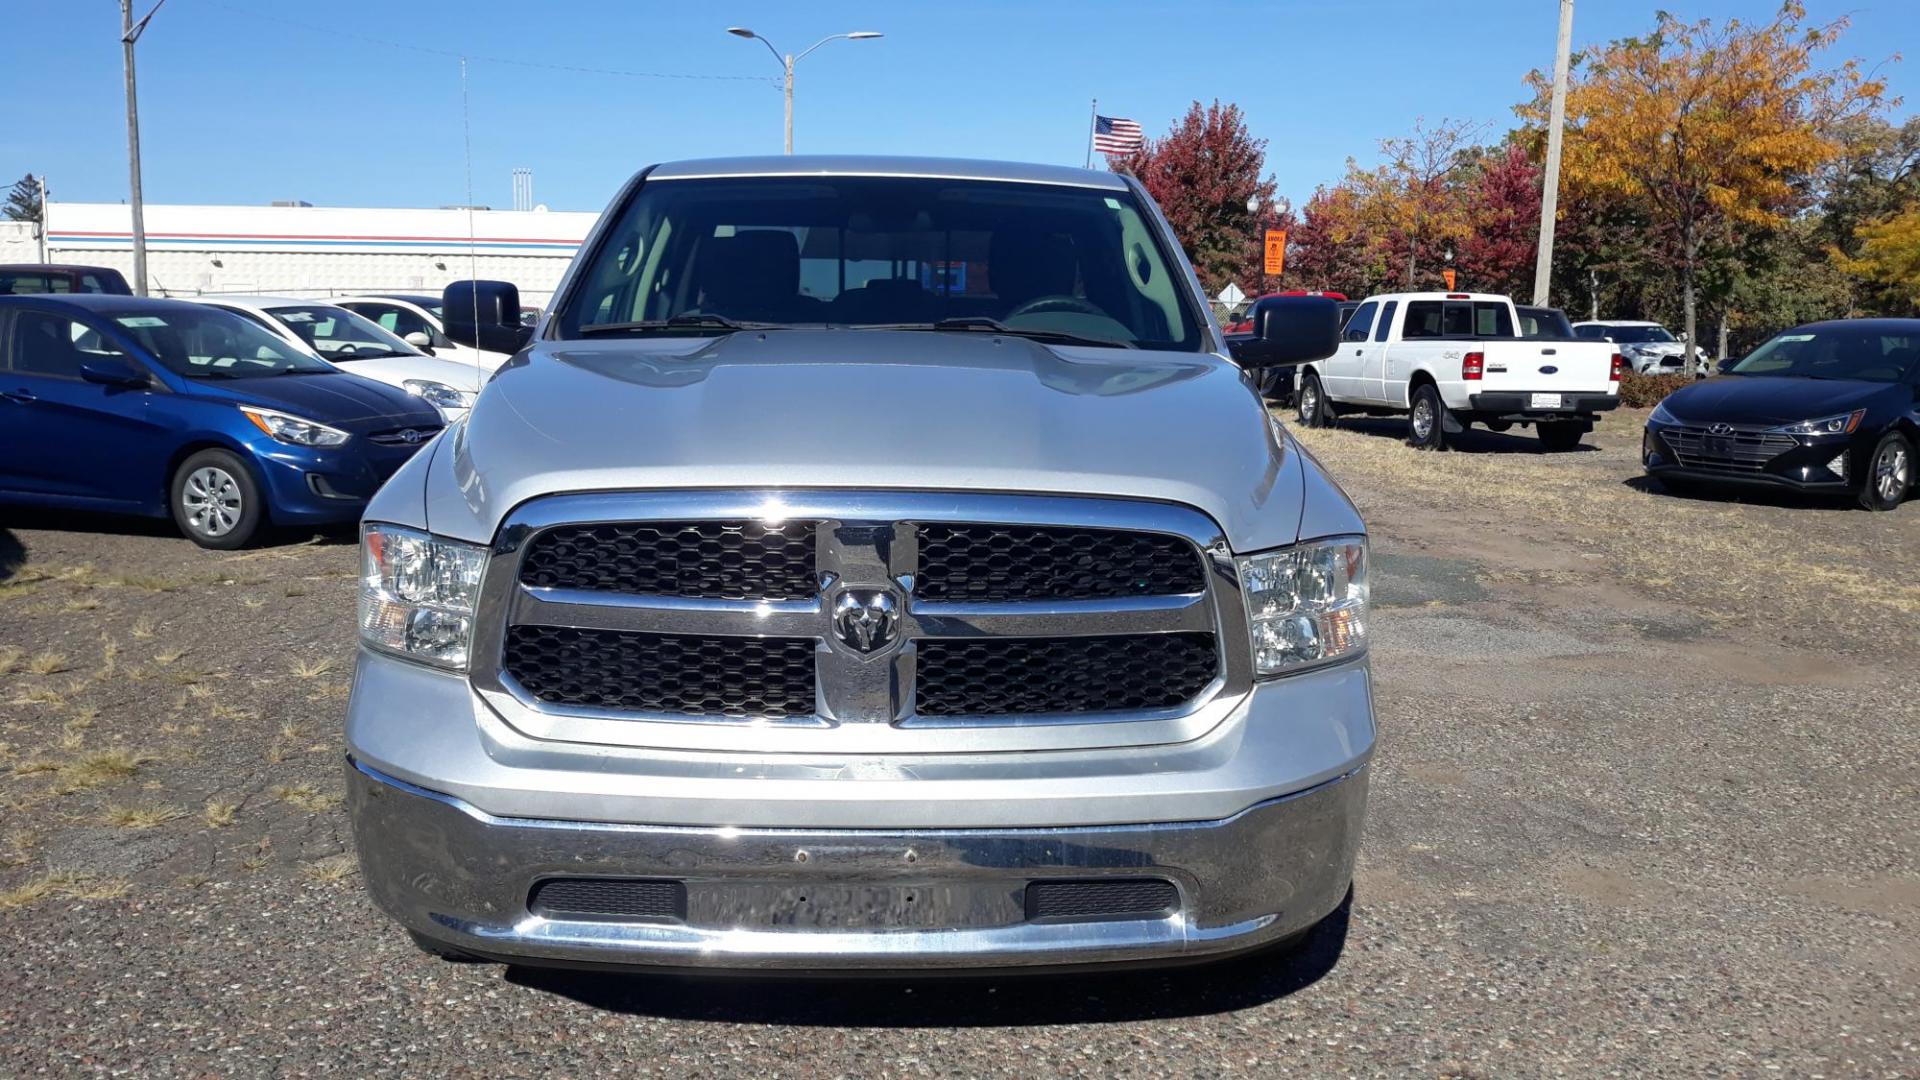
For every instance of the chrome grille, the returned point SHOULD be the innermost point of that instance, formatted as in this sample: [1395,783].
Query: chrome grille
[579,639]
[712,560]
[1062,675]
[964,561]
[1739,449]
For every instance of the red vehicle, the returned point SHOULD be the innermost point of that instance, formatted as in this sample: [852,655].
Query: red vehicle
[1245,325]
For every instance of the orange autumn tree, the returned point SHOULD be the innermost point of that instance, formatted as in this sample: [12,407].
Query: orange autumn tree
[1889,255]
[1712,131]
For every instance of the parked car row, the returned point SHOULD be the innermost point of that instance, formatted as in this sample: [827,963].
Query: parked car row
[1830,408]
[225,413]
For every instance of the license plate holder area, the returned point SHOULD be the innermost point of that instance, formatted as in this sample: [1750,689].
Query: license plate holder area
[1545,401]
[855,905]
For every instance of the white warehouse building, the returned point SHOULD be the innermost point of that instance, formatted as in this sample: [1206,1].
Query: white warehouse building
[312,250]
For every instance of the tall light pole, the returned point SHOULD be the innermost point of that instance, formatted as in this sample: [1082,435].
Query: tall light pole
[1550,191]
[787,61]
[130,32]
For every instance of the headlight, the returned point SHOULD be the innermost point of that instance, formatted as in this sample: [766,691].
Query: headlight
[439,394]
[1842,424]
[297,430]
[1660,415]
[1306,604]
[417,593]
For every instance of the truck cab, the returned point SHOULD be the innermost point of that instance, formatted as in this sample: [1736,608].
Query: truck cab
[1448,360]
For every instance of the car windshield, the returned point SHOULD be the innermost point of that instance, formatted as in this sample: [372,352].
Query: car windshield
[339,334]
[208,343]
[1869,354]
[1638,335]
[1078,265]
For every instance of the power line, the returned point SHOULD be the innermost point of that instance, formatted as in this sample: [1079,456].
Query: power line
[335,31]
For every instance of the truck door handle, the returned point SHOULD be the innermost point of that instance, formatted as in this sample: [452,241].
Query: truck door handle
[22,396]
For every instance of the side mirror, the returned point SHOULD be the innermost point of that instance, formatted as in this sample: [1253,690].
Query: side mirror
[114,371]
[485,315]
[421,340]
[1291,330]
[1727,364]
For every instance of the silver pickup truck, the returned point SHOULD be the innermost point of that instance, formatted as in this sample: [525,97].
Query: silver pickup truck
[866,563]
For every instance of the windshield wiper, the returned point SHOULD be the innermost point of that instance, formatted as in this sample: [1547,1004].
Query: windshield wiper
[985,325]
[684,321]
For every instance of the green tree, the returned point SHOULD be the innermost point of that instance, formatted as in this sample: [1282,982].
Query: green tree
[23,201]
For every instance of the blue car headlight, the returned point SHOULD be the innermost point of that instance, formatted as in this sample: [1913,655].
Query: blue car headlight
[1660,415]
[298,430]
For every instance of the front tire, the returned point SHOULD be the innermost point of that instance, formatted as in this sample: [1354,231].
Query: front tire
[215,500]
[1889,473]
[1560,436]
[1312,407]
[1426,419]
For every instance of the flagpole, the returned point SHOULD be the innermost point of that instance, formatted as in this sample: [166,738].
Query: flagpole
[1093,120]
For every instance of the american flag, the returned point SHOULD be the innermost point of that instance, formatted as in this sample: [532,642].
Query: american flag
[1113,135]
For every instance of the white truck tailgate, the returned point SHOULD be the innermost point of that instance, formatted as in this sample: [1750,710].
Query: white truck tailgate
[1546,368]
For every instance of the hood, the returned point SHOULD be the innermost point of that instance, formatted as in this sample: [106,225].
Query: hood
[340,400]
[1655,348]
[1771,399]
[870,409]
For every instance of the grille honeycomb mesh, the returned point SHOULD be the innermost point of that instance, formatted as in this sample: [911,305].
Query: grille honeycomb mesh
[1093,899]
[757,678]
[609,898]
[704,560]
[998,676]
[992,563]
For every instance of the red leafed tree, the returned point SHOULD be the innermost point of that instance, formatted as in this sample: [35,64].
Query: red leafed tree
[1203,174]
[1503,200]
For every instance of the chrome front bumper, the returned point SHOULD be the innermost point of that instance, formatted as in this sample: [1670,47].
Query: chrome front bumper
[462,877]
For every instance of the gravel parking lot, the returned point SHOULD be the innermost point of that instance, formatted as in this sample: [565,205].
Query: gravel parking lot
[1647,803]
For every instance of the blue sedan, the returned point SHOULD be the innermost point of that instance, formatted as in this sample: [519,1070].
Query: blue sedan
[165,408]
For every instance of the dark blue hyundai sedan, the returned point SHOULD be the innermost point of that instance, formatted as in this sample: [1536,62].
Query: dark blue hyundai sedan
[162,407]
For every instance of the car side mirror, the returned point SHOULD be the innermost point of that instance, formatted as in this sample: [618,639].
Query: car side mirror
[1291,330]
[115,371]
[421,340]
[485,315]
[1727,364]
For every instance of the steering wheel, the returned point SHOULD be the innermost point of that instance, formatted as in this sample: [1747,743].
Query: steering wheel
[1061,302]
[346,348]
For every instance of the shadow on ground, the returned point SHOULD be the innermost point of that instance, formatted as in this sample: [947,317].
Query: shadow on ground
[960,1001]
[13,554]
[83,521]
[1474,440]
[1785,498]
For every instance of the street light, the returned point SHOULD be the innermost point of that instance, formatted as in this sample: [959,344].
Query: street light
[787,61]
[130,32]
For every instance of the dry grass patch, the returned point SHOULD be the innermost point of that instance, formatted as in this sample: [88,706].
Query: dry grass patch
[48,663]
[83,603]
[331,870]
[166,657]
[143,628]
[42,695]
[100,768]
[138,817]
[307,797]
[218,813]
[64,884]
[10,660]
[312,669]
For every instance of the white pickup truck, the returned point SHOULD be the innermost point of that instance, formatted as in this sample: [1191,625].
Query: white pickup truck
[1452,359]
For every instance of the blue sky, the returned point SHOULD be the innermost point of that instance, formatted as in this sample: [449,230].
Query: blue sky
[240,105]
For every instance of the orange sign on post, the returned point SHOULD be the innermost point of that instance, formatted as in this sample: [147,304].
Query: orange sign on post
[1450,276]
[1276,252]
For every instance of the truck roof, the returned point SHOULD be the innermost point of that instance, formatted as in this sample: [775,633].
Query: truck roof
[877,165]
[1441,296]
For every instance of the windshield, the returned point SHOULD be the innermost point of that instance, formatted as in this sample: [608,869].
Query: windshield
[208,343]
[339,334]
[884,251]
[1637,335]
[1841,352]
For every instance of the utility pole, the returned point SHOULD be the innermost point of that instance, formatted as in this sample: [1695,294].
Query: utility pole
[789,59]
[1550,191]
[130,32]
[43,217]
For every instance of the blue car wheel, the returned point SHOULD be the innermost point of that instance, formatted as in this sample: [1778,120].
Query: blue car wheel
[216,501]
